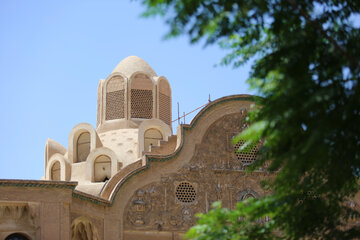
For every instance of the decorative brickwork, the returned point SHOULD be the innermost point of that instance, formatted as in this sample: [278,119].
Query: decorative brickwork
[164,108]
[185,192]
[115,99]
[115,105]
[213,174]
[246,156]
[141,103]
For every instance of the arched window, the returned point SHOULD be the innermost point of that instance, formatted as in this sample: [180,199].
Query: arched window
[141,97]
[16,236]
[115,98]
[151,138]
[165,101]
[102,168]
[83,229]
[55,171]
[248,195]
[83,147]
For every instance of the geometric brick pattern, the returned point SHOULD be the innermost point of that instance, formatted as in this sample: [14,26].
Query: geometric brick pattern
[248,155]
[164,108]
[141,103]
[185,192]
[115,105]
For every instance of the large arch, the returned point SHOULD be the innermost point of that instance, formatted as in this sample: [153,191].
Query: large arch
[74,136]
[141,97]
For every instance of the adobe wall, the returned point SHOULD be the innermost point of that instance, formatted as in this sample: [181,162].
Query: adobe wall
[151,205]
[39,211]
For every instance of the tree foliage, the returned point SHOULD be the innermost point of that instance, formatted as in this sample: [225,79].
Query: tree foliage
[307,70]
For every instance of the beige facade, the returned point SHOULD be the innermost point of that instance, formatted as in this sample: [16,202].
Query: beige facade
[131,177]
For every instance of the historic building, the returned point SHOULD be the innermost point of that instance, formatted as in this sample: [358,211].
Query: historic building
[131,177]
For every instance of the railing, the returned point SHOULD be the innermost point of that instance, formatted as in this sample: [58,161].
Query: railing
[184,115]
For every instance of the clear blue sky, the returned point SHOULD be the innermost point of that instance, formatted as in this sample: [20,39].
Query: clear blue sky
[53,54]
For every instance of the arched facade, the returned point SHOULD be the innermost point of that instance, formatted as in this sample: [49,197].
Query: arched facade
[152,192]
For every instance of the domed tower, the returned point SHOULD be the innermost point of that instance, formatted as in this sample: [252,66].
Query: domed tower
[133,114]
[134,97]
[131,94]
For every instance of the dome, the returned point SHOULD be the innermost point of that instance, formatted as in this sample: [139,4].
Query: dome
[133,64]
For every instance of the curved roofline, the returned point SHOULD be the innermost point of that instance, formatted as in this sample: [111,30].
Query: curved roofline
[156,158]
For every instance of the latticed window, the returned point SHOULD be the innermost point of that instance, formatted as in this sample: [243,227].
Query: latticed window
[141,97]
[115,99]
[185,192]
[83,147]
[141,103]
[165,101]
[248,155]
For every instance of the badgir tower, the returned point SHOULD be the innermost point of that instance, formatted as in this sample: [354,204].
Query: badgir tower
[131,176]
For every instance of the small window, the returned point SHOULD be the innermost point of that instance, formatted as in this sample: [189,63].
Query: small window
[102,169]
[151,138]
[55,171]
[185,192]
[83,147]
